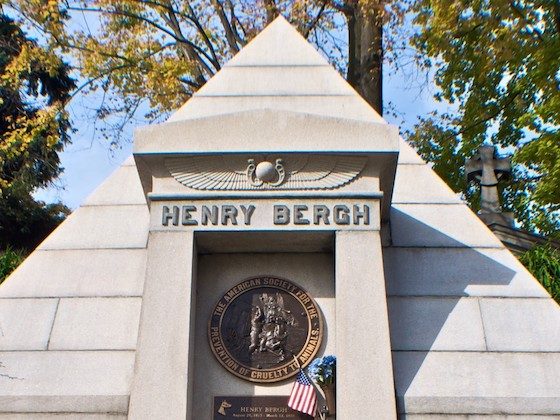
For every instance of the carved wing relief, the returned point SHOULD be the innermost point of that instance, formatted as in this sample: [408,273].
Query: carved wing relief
[274,172]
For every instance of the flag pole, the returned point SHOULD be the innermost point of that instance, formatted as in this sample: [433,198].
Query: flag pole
[317,387]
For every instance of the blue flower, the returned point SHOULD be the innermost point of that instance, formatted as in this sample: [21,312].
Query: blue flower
[329,360]
[323,370]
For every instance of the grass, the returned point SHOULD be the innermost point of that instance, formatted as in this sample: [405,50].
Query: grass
[544,263]
[9,260]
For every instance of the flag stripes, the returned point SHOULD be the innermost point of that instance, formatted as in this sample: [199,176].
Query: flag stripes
[303,397]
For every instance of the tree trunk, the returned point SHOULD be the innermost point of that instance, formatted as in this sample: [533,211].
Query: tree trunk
[271,10]
[365,53]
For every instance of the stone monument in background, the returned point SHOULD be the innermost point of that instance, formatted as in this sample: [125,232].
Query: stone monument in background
[489,169]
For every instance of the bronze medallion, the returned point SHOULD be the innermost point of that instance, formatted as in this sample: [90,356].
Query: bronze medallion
[261,324]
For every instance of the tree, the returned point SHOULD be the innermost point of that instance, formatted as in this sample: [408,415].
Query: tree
[34,87]
[498,63]
[161,51]
[544,262]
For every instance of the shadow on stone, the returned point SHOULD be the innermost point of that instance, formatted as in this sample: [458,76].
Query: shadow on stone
[425,285]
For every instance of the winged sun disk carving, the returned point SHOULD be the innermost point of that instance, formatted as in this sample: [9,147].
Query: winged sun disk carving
[309,172]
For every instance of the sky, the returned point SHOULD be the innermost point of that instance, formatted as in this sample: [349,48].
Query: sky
[89,159]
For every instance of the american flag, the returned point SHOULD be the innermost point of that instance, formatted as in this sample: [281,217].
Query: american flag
[303,397]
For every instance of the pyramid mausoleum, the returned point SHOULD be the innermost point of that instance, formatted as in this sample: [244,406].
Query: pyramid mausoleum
[275,185]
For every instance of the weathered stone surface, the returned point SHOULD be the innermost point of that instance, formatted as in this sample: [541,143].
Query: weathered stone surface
[439,225]
[101,272]
[65,381]
[487,168]
[477,382]
[435,324]
[407,154]
[276,81]
[242,132]
[122,187]
[326,105]
[25,324]
[161,387]
[95,227]
[426,188]
[362,342]
[442,273]
[278,44]
[278,49]
[96,324]
[521,324]
[457,272]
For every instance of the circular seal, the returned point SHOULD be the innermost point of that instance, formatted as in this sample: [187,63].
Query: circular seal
[260,325]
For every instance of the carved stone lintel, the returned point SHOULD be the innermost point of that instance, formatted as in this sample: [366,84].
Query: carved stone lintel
[238,173]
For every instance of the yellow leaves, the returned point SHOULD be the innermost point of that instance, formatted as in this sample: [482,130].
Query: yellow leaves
[30,58]
[162,82]
[48,13]
[49,10]
[19,65]
[20,141]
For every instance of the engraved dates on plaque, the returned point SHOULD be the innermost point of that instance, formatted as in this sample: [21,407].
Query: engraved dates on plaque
[260,325]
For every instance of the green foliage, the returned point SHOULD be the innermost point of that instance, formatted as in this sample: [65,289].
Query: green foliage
[34,87]
[25,222]
[9,260]
[544,263]
[498,63]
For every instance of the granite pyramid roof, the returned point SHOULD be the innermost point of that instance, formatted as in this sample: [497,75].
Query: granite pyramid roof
[278,70]
[472,331]
[277,76]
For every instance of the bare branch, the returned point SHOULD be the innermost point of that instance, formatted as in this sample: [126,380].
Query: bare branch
[235,22]
[230,36]
[194,19]
[314,22]
[198,52]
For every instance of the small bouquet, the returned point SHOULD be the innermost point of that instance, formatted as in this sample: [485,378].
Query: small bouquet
[322,371]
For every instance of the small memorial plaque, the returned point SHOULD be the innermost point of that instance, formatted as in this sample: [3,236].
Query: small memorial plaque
[255,408]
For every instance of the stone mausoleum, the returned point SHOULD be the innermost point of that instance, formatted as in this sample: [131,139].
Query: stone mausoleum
[275,218]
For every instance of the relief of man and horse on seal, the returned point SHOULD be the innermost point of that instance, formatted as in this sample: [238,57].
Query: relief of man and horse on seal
[265,330]
[269,326]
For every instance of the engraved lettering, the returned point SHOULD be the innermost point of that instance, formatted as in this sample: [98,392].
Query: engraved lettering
[248,213]
[207,214]
[229,213]
[321,212]
[170,215]
[341,215]
[298,215]
[187,219]
[357,215]
[281,215]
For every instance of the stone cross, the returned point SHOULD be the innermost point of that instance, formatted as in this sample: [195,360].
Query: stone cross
[488,169]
